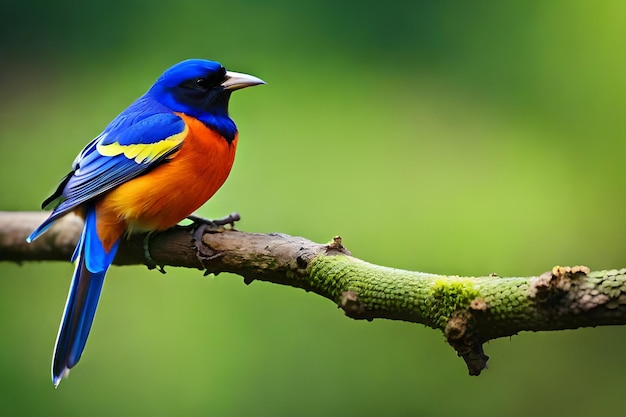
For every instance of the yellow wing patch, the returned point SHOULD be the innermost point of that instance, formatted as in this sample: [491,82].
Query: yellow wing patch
[144,152]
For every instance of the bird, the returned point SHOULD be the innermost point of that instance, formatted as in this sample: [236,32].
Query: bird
[152,166]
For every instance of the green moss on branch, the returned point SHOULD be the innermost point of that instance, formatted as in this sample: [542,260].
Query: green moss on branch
[469,310]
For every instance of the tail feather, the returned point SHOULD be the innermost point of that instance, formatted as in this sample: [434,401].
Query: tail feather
[41,229]
[92,262]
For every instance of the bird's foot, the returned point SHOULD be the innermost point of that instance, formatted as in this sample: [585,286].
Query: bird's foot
[150,262]
[231,219]
[201,226]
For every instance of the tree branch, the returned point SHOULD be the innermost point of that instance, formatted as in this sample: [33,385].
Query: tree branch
[469,310]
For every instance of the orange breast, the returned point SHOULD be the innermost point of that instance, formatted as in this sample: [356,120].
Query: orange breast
[172,191]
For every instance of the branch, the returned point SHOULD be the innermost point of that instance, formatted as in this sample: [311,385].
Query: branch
[469,310]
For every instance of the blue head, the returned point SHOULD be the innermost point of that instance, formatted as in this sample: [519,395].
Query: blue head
[201,89]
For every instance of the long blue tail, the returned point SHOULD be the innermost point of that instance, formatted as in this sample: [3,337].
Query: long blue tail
[92,262]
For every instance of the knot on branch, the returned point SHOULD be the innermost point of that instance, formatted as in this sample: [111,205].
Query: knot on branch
[462,335]
[551,286]
[353,307]
[335,247]
[479,304]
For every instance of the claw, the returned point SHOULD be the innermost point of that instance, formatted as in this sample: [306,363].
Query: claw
[199,232]
[231,219]
[202,225]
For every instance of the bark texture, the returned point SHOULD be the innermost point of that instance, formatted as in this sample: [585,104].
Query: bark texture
[468,310]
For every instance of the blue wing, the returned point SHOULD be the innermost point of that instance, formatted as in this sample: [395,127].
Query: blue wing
[135,142]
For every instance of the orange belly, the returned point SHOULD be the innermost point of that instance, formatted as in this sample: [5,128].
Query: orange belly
[170,192]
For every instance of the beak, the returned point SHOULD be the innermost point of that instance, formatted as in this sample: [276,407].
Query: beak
[236,80]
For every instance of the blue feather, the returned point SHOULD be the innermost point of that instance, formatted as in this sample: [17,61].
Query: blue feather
[148,133]
[149,130]
[94,174]
[80,309]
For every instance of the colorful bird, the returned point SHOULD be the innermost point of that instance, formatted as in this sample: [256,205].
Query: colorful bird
[152,166]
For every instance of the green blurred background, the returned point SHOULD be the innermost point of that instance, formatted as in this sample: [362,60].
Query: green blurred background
[443,136]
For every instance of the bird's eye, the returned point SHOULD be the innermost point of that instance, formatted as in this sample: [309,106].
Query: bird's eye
[202,83]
